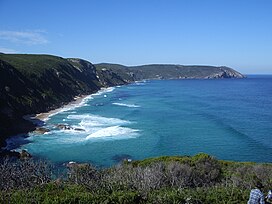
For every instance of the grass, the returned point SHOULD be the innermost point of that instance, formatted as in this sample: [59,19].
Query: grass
[29,63]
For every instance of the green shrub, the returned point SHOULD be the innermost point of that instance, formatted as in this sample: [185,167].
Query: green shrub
[198,179]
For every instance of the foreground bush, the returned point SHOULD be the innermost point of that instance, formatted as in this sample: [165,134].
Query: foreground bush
[52,193]
[15,174]
[198,179]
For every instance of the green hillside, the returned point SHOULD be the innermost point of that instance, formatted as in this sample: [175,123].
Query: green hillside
[168,71]
[37,83]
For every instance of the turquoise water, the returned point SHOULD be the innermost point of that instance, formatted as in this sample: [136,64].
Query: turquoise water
[229,118]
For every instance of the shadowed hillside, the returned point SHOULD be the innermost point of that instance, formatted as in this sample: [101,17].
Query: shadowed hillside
[38,83]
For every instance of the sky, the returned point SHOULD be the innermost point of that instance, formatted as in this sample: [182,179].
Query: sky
[233,33]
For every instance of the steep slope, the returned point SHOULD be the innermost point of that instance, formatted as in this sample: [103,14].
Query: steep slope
[37,83]
[110,74]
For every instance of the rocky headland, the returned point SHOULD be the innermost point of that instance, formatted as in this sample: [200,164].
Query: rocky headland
[32,84]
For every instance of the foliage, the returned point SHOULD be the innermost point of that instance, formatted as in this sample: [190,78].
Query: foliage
[169,71]
[32,84]
[197,179]
[24,174]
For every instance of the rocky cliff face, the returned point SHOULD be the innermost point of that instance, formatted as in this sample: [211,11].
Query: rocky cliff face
[37,83]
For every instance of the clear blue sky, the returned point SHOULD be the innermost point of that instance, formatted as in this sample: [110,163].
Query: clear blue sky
[235,33]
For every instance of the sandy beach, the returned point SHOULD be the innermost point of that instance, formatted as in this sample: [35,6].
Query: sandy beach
[76,102]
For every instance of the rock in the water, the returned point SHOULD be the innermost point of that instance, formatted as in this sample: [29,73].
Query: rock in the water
[24,154]
[64,127]
[68,127]
[41,130]
[79,129]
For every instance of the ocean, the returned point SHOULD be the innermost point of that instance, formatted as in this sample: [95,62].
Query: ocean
[230,119]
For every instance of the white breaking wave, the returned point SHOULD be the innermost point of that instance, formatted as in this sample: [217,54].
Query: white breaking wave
[114,132]
[70,112]
[95,119]
[88,121]
[127,105]
[140,83]
[98,127]
[88,126]
[103,91]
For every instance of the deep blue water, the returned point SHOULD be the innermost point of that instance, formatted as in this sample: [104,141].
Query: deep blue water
[227,118]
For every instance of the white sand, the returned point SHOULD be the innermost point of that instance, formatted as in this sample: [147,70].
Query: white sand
[44,116]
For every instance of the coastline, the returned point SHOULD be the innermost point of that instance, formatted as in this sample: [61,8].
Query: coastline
[41,118]
[73,104]
[38,120]
[77,102]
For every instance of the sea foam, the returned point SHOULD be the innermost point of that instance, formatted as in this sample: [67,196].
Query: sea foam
[103,91]
[127,105]
[87,120]
[114,132]
[73,105]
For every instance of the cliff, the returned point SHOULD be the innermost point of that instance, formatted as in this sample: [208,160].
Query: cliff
[32,84]
[37,83]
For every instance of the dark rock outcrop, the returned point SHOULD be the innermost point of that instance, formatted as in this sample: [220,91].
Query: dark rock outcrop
[24,155]
[41,130]
[63,127]
[19,155]
[68,127]
[79,129]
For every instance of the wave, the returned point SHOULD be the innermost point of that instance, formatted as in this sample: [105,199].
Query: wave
[103,91]
[127,105]
[78,102]
[99,127]
[140,83]
[114,132]
[88,121]
[70,112]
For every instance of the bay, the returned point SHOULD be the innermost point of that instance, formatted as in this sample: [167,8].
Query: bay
[230,119]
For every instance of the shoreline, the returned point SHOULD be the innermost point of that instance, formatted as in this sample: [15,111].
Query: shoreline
[39,119]
[73,104]
[77,102]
